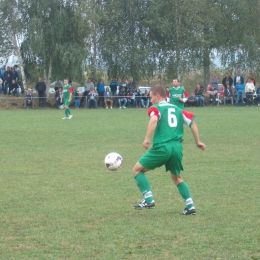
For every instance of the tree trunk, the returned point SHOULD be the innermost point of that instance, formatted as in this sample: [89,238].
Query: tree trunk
[206,67]
[48,82]
[18,53]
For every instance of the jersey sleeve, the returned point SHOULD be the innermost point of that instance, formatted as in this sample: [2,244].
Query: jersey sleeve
[70,89]
[153,111]
[185,95]
[188,117]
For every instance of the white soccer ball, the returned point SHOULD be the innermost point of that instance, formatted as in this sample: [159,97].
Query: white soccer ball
[113,161]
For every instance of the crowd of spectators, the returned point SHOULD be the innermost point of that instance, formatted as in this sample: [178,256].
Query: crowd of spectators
[10,81]
[236,91]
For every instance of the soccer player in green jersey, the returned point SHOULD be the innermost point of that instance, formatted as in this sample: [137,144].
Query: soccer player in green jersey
[166,122]
[178,95]
[66,98]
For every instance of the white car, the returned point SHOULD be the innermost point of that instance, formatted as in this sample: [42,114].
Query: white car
[143,88]
[51,90]
[81,90]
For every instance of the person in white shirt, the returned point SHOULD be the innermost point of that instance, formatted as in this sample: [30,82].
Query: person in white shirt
[249,90]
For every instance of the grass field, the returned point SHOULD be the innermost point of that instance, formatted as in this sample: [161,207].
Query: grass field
[58,201]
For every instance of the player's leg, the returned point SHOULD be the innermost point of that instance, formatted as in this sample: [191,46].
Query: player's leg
[67,109]
[184,190]
[144,186]
[154,158]
[174,165]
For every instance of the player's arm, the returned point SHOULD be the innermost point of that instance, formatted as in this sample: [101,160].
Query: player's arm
[188,119]
[70,91]
[154,116]
[195,132]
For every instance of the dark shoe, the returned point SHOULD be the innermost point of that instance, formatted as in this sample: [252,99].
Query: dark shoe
[191,211]
[144,204]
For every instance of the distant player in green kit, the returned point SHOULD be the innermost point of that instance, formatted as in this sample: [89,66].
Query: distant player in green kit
[66,98]
[178,95]
[166,122]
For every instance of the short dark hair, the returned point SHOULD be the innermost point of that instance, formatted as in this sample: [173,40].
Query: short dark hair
[159,90]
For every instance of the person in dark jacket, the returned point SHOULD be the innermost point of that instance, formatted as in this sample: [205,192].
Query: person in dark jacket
[227,81]
[41,88]
[13,88]
[28,99]
[113,86]
[228,95]
[58,97]
[101,91]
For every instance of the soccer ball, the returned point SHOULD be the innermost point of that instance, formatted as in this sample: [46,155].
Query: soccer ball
[113,161]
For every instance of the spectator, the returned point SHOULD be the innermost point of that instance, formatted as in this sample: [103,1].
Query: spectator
[17,69]
[138,96]
[123,85]
[8,76]
[228,95]
[214,81]
[199,94]
[192,100]
[57,84]
[227,81]
[240,90]
[131,86]
[145,100]
[58,97]
[1,85]
[131,100]
[238,78]
[258,95]
[101,91]
[77,100]
[28,99]
[252,79]
[14,88]
[108,98]
[122,98]
[15,74]
[113,86]
[41,88]
[212,95]
[92,102]
[128,98]
[88,86]
[249,90]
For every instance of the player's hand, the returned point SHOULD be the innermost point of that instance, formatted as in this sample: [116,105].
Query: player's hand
[201,145]
[181,99]
[146,144]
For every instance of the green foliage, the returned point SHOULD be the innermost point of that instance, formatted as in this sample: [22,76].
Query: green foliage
[58,200]
[132,39]
[56,37]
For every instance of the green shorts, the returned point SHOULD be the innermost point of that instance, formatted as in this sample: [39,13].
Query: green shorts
[168,154]
[66,102]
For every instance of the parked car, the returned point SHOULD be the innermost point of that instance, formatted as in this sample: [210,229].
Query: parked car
[143,88]
[220,89]
[51,90]
[81,90]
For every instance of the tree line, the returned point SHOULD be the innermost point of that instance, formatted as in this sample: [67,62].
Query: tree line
[129,38]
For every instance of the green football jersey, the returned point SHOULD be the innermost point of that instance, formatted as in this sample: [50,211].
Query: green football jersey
[66,92]
[175,95]
[170,122]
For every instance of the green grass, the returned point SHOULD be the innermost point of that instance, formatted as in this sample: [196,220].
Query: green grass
[58,201]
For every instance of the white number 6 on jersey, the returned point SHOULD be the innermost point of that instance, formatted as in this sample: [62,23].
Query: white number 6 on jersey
[172,119]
